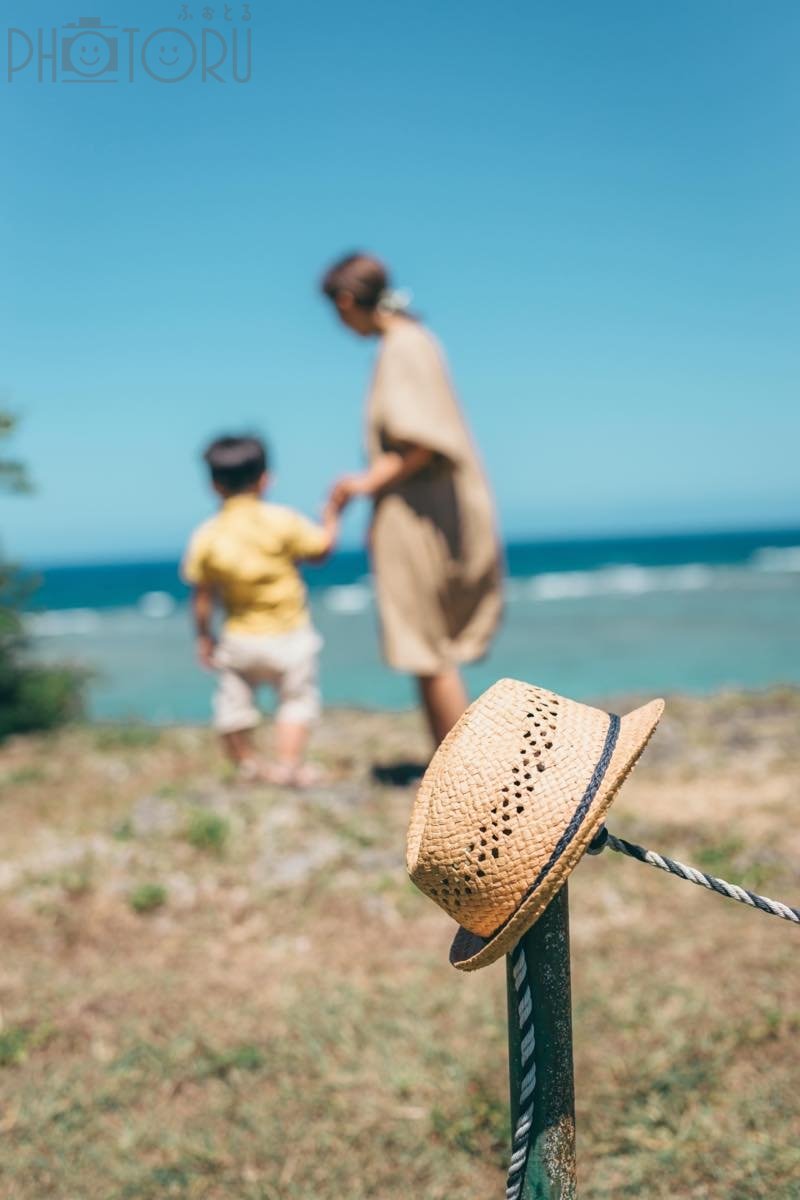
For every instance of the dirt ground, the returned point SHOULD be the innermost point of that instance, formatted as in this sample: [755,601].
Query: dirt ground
[208,991]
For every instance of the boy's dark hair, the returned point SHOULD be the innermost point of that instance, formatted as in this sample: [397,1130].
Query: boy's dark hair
[236,463]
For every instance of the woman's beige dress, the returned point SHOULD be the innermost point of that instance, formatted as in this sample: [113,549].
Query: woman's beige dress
[434,545]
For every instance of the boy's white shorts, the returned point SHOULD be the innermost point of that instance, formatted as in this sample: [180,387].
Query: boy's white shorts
[286,662]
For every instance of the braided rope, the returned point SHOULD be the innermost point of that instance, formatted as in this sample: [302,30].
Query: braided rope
[773,908]
[521,1144]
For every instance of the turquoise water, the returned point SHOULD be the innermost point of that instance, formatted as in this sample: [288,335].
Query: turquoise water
[585,618]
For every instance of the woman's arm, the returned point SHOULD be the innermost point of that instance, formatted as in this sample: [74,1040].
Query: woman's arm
[388,468]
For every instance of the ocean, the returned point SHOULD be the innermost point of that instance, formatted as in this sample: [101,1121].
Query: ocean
[589,618]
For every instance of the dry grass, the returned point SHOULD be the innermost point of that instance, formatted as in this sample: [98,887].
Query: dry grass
[209,992]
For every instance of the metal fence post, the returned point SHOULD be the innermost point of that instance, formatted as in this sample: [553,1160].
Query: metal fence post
[540,1039]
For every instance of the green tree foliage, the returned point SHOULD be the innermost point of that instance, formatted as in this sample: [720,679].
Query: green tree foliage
[31,696]
[13,476]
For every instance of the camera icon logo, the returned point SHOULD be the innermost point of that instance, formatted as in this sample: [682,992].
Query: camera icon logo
[88,52]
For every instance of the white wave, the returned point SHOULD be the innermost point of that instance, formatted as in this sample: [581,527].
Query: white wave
[561,585]
[347,599]
[692,577]
[624,580]
[516,589]
[64,623]
[156,605]
[777,558]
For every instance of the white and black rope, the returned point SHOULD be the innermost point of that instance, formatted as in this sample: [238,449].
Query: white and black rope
[733,891]
[521,1144]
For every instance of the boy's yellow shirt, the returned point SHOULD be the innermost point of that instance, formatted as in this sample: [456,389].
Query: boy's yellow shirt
[248,553]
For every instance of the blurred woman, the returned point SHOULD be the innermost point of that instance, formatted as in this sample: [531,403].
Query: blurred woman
[434,549]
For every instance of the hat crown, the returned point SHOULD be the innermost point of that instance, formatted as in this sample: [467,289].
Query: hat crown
[497,797]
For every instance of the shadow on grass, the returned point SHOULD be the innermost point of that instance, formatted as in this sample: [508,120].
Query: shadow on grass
[398,774]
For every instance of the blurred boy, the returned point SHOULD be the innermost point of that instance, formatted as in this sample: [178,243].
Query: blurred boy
[245,558]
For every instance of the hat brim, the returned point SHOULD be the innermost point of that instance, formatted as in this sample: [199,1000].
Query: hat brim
[470,951]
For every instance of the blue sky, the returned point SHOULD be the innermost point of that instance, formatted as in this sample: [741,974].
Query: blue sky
[594,204]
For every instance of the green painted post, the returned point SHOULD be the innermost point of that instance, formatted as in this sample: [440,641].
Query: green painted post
[548,1168]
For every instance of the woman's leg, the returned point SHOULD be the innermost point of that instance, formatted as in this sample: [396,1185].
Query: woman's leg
[444,699]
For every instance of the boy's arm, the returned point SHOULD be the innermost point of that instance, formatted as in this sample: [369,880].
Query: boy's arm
[329,535]
[202,612]
[312,542]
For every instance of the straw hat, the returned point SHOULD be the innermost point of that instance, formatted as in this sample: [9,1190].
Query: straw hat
[510,803]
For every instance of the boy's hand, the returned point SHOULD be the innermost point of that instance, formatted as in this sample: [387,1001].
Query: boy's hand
[205,646]
[203,612]
[345,490]
[330,517]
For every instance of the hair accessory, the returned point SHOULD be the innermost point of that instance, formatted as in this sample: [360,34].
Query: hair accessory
[394,300]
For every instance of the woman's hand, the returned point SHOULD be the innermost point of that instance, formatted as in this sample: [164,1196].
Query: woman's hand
[388,468]
[346,489]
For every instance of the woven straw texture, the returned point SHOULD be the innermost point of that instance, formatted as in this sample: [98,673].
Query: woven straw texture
[500,794]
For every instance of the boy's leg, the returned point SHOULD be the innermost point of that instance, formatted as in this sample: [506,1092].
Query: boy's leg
[238,746]
[298,703]
[291,739]
[236,715]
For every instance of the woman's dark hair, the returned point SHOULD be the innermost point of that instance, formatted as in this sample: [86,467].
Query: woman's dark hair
[236,463]
[363,275]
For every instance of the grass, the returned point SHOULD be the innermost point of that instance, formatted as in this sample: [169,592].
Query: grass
[147,897]
[24,776]
[207,831]
[13,1044]
[123,830]
[18,1040]
[730,860]
[285,1024]
[126,737]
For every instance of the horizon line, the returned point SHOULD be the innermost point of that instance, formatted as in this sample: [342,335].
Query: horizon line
[155,558]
